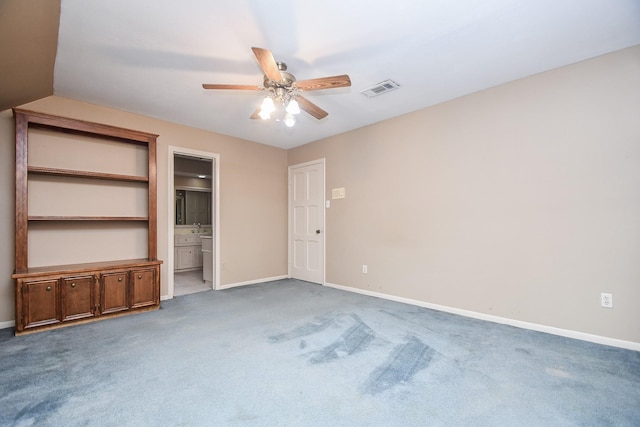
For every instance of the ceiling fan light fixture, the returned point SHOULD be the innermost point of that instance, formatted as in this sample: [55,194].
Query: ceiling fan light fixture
[293,107]
[289,120]
[267,106]
[264,115]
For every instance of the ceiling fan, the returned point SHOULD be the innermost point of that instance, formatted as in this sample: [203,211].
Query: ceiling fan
[283,97]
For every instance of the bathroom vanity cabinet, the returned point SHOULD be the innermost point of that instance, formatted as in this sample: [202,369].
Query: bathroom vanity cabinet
[187,252]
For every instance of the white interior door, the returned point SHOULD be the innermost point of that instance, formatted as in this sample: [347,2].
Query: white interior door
[306,221]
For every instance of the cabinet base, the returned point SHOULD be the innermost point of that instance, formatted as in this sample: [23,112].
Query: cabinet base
[57,297]
[35,330]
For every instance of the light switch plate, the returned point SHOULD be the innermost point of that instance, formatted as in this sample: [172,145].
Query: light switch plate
[337,193]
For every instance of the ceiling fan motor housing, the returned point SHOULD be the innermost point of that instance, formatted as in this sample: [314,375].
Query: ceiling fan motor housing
[287,78]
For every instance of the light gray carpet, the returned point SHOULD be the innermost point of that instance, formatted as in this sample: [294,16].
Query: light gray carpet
[289,353]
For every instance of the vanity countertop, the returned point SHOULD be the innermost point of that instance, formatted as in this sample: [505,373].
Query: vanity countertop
[188,231]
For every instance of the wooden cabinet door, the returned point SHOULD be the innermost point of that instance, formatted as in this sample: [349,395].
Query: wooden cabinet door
[78,297]
[144,288]
[114,292]
[39,302]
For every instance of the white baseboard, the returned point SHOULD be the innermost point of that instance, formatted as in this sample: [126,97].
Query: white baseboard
[630,345]
[253,282]
[8,324]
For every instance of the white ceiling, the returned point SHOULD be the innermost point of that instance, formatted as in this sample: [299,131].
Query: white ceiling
[151,56]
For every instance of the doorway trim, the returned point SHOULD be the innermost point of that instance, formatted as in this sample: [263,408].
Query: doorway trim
[215,201]
[322,163]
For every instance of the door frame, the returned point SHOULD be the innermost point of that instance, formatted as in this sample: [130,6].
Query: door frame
[322,162]
[215,201]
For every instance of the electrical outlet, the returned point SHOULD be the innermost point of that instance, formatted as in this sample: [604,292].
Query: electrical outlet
[364,268]
[606,300]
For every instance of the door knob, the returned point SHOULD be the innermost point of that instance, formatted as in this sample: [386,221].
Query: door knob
[317,231]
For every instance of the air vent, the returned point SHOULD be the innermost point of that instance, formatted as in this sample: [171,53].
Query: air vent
[380,88]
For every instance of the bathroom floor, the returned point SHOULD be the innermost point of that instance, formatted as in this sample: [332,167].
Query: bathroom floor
[189,282]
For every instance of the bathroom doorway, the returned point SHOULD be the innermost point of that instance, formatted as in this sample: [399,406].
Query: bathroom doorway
[193,222]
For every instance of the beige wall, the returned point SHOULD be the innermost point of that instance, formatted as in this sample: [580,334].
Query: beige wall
[253,194]
[522,201]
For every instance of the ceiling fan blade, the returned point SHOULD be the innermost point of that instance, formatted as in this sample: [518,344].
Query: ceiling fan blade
[231,87]
[311,108]
[324,83]
[267,63]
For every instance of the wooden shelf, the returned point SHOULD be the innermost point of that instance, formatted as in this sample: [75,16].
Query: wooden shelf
[25,120]
[88,218]
[85,174]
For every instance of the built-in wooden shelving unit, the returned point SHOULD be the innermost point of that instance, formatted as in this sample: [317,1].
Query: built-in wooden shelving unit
[54,296]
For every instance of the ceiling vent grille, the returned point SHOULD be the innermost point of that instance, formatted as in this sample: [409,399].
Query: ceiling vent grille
[380,88]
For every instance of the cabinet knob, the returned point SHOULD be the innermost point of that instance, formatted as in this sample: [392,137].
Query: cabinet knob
[119,279]
[73,285]
[139,276]
[48,288]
